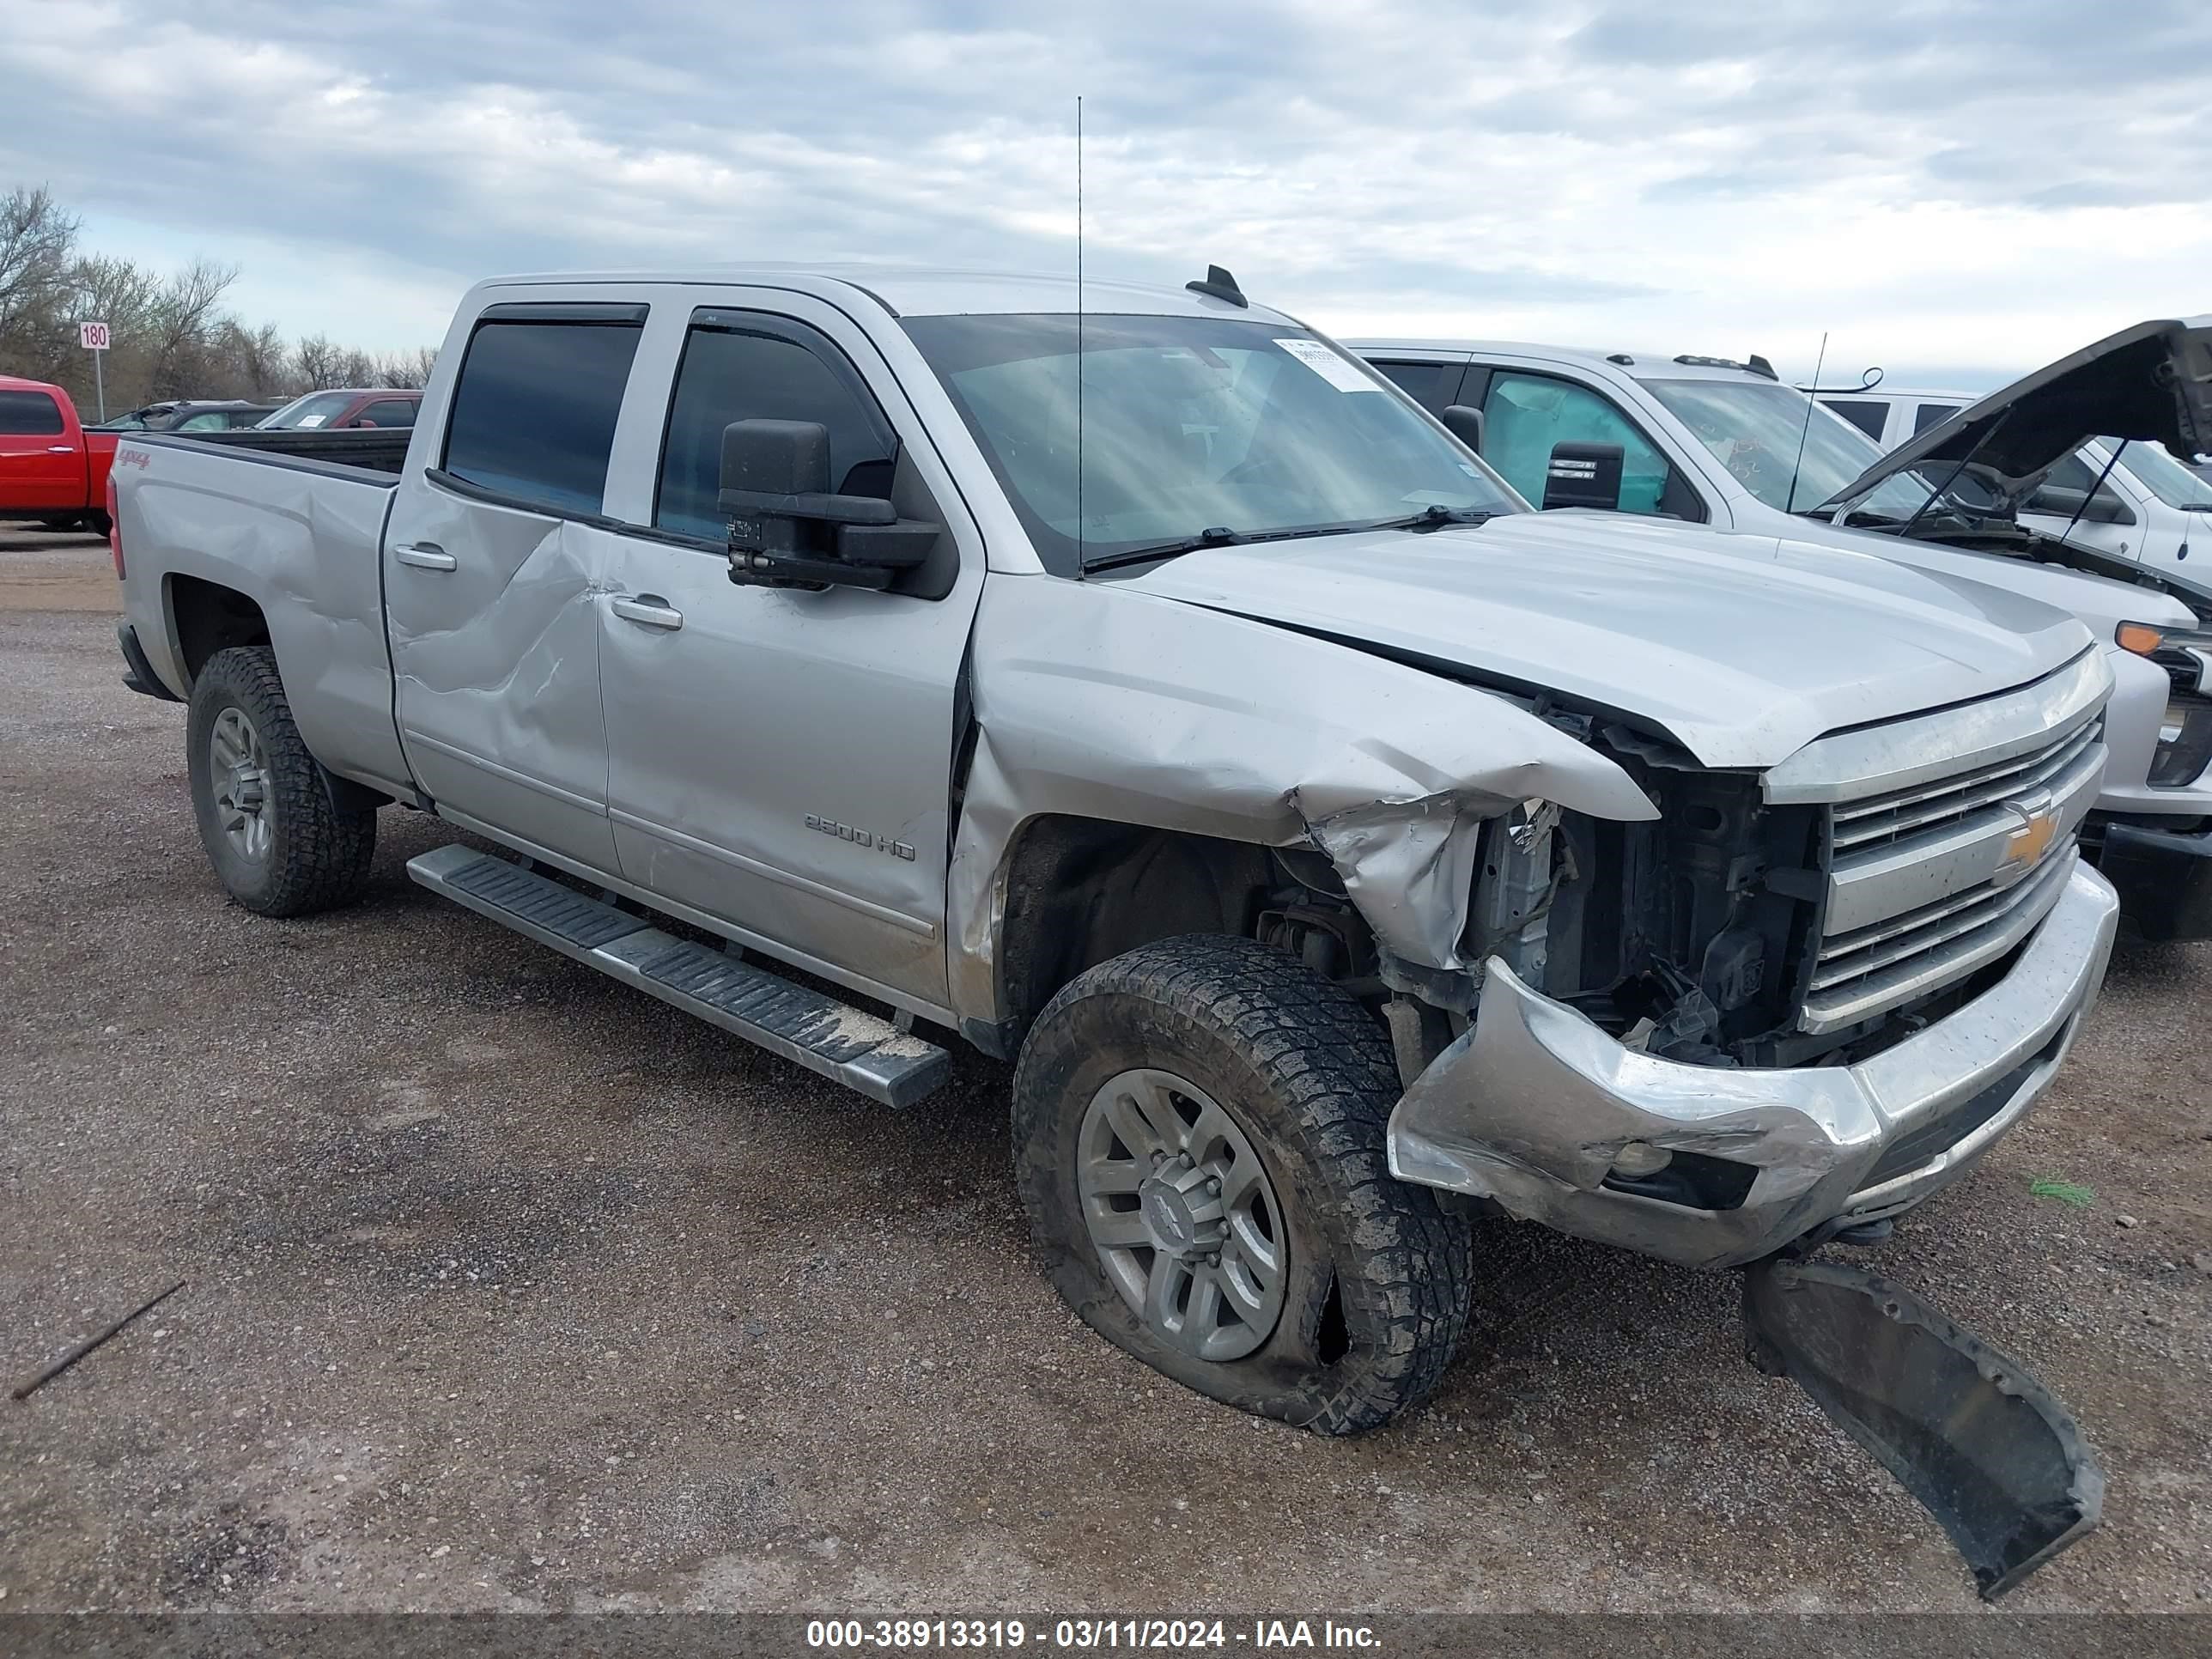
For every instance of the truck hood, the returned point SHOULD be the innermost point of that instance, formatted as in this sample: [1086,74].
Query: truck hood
[2103,589]
[1743,648]
[2150,384]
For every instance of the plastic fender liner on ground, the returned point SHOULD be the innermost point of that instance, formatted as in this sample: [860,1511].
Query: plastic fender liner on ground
[1969,1431]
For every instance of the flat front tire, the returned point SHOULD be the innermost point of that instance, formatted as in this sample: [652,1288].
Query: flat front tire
[1198,1142]
[279,845]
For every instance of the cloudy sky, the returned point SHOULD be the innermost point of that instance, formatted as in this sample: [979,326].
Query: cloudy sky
[1956,190]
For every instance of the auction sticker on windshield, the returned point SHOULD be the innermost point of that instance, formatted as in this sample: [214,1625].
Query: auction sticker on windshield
[1338,370]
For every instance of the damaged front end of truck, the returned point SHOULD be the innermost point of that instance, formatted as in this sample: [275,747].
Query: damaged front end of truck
[1720,1015]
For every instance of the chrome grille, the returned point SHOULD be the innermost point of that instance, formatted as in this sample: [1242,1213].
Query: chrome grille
[1946,843]
[1886,817]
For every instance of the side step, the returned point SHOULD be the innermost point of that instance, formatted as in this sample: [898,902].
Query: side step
[856,1049]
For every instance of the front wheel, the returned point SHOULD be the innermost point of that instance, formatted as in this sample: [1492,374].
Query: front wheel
[1198,1142]
[278,841]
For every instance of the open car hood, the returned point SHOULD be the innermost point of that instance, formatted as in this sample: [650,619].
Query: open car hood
[2149,384]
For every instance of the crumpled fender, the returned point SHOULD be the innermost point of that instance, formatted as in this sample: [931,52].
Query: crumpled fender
[1095,700]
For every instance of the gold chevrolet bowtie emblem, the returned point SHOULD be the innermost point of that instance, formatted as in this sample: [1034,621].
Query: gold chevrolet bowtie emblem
[2024,848]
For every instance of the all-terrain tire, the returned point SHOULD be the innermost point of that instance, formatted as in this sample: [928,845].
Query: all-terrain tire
[317,857]
[1378,1273]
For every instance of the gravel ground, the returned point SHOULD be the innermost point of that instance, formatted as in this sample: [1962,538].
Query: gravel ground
[510,1287]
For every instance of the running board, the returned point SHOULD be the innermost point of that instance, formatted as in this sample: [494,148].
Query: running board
[859,1049]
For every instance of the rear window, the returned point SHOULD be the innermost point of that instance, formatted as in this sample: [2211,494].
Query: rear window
[1929,415]
[30,412]
[534,410]
[1868,417]
[388,411]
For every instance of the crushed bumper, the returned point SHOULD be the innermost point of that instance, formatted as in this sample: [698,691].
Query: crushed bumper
[1533,1107]
[2163,877]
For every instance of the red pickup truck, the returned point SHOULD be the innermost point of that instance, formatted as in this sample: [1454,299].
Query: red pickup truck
[51,468]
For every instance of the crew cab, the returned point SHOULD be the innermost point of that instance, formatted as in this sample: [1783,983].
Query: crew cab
[51,468]
[1708,440]
[1131,684]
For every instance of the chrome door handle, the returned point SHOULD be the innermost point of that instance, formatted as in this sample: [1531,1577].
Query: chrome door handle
[61,449]
[425,556]
[649,610]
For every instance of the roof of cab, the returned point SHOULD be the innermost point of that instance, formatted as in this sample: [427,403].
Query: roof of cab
[925,291]
[1639,365]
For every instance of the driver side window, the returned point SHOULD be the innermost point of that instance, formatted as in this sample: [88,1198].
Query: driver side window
[737,368]
[1524,416]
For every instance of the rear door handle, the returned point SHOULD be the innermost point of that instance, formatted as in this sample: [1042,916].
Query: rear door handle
[425,556]
[647,609]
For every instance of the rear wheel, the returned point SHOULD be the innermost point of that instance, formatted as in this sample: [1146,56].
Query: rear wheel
[278,843]
[1199,1131]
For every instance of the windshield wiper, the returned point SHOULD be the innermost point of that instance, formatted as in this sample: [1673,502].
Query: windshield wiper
[1218,535]
[1433,517]
[1429,518]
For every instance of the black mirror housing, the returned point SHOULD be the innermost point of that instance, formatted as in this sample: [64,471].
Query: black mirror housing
[788,529]
[1584,475]
[1465,422]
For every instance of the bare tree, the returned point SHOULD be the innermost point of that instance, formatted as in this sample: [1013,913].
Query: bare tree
[36,241]
[172,338]
[315,363]
[184,316]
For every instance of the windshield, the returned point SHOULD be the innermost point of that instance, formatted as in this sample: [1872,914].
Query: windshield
[316,409]
[1755,427]
[1187,425]
[2160,474]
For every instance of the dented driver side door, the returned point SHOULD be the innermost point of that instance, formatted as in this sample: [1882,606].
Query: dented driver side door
[494,561]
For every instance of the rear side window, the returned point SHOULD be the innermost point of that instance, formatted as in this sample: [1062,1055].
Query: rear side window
[32,413]
[1868,417]
[388,411]
[1430,385]
[1929,415]
[768,369]
[534,410]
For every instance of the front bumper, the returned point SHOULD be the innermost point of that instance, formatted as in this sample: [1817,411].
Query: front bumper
[2163,877]
[1532,1107]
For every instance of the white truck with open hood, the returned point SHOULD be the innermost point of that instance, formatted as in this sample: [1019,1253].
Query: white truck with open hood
[1150,695]
[1711,441]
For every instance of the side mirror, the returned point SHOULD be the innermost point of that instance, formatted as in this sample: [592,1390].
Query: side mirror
[1466,424]
[787,530]
[1584,475]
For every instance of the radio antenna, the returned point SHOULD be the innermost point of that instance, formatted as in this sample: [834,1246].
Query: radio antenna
[1798,465]
[1079,522]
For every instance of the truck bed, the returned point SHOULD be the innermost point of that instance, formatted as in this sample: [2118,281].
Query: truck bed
[376,449]
[298,531]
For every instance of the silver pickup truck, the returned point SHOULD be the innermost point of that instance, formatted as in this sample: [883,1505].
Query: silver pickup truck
[1155,697]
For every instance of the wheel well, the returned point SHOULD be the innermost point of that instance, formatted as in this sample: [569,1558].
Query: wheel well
[1080,891]
[210,617]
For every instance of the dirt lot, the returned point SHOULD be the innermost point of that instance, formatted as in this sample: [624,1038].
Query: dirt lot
[512,1288]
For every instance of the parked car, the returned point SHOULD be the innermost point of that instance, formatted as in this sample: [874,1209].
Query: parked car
[52,469]
[371,407]
[1708,440]
[1330,841]
[189,415]
[2132,500]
